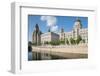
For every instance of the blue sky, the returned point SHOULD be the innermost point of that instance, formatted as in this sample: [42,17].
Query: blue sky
[55,23]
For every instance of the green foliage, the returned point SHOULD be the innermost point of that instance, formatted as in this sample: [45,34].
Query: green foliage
[30,43]
[78,39]
[72,41]
[83,41]
[67,41]
[34,43]
[55,42]
[62,42]
[46,42]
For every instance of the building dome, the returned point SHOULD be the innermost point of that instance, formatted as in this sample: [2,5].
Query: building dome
[77,24]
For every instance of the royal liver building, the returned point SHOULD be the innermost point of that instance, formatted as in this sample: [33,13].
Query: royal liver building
[78,30]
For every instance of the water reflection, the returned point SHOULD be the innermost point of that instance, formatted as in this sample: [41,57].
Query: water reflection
[30,57]
[42,56]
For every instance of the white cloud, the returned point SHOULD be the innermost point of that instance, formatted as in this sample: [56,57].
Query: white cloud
[43,18]
[51,22]
[54,28]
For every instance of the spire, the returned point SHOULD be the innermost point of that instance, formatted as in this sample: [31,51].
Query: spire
[36,27]
[62,30]
[49,30]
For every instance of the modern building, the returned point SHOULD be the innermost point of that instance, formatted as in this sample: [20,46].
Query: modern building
[36,37]
[49,36]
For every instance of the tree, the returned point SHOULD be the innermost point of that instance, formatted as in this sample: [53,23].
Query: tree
[72,41]
[55,42]
[83,40]
[29,46]
[29,43]
[34,43]
[79,38]
[67,41]
[62,41]
[46,42]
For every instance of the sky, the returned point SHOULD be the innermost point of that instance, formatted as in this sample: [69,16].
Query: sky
[55,23]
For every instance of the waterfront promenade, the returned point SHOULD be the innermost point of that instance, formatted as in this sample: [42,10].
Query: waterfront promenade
[66,51]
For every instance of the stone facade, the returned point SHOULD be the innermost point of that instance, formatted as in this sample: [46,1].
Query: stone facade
[36,37]
[78,30]
[49,36]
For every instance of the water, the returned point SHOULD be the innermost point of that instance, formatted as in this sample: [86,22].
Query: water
[42,56]
[30,57]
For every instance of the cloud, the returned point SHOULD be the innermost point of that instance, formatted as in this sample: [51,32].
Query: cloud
[50,21]
[54,28]
[43,18]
